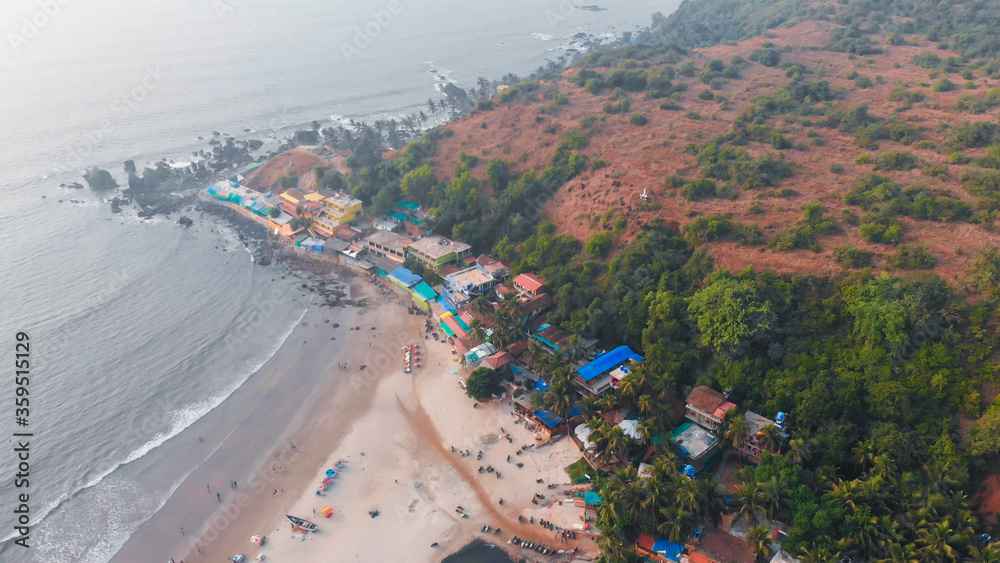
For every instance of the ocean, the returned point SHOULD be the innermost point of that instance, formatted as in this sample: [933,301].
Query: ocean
[138,328]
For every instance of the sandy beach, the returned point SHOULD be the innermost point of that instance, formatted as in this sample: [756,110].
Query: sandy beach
[395,432]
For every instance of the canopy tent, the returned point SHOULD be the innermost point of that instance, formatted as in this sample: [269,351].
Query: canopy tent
[548,418]
[541,385]
[631,429]
[583,433]
[607,362]
[592,498]
[424,291]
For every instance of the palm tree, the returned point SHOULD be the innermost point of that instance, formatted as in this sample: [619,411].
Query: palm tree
[477,330]
[770,438]
[645,404]
[759,542]
[938,542]
[560,395]
[735,433]
[711,501]
[748,502]
[902,553]
[800,450]
[774,497]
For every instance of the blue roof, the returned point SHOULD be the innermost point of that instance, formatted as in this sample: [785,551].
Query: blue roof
[547,418]
[608,362]
[592,498]
[669,549]
[541,385]
[405,276]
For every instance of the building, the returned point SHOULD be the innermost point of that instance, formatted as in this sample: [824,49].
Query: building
[534,306]
[493,267]
[280,221]
[528,285]
[385,225]
[595,378]
[661,551]
[339,209]
[290,201]
[436,251]
[388,244]
[699,447]
[707,407]
[752,444]
[461,287]
[551,337]
[715,546]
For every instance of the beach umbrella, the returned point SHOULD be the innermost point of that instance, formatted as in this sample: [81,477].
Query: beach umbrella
[256,539]
[330,473]
[326,511]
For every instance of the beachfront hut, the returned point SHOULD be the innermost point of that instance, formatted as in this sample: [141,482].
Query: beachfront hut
[422,294]
[404,278]
[598,376]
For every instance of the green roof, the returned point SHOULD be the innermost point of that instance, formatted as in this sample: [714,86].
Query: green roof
[408,205]
[424,291]
[447,330]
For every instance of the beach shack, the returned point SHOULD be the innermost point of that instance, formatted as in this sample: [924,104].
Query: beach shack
[422,295]
[280,221]
[595,378]
[313,244]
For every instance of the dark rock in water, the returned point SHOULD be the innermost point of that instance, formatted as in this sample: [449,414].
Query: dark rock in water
[130,167]
[116,205]
[453,91]
[185,221]
[306,137]
[74,185]
[100,180]
[579,35]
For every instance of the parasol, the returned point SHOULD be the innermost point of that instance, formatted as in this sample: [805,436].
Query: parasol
[326,511]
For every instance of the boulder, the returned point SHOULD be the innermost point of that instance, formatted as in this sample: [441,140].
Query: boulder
[185,221]
[100,180]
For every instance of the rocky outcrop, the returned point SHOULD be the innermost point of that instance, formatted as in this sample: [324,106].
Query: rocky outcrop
[100,180]
[184,221]
[453,91]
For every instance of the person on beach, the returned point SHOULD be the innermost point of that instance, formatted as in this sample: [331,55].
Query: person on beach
[201,438]
[209,489]
[218,496]
[182,530]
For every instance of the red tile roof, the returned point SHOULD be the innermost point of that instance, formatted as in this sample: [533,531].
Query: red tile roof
[536,303]
[498,360]
[530,282]
[518,347]
[706,399]
[720,547]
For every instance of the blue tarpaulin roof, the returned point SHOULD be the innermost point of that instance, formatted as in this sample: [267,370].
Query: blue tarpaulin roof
[405,276]
[669,549]
[547,418]
[592,498]
[608,362]
[541,385]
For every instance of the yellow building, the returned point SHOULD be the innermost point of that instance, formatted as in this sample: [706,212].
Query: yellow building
[340,208]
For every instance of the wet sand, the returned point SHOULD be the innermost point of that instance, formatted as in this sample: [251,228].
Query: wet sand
[300,397]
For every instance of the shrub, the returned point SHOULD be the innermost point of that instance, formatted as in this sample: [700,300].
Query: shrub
[693,115]
[849,257]
[896,160]
[863,82]
[943,85]
[852,75]
[908,257]
[638,119]
[927,60]
[836,168]
[881,229]
[766,57]
[863,158]
[698,189]
[599,244]
[670,105]
[721,227]
[706,95]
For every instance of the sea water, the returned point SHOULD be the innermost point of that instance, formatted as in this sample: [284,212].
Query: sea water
[135,325]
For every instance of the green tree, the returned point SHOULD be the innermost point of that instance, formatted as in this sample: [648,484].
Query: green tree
[417,183]
[599,244]
[759,543]
[498,173]
[732,314]
[482,384]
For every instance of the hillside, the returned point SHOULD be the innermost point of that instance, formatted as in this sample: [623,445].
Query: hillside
[651,156]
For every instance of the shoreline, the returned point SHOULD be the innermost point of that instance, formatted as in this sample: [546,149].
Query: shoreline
[252,430]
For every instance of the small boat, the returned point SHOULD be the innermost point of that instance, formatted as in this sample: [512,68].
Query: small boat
[407,359]
[304,525]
